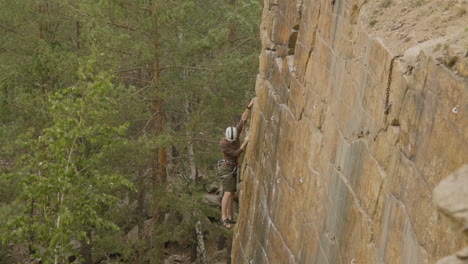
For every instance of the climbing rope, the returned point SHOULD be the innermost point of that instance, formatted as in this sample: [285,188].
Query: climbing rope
[389,82]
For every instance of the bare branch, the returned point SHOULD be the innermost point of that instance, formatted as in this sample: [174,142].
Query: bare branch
[138,7]
[142,89]
[132,69]
[206,140]
[121,26]
[19,107]
[138,79]
[28,60]
[185,67]
[243,37]
[245,41]
[121,51]
[11,30]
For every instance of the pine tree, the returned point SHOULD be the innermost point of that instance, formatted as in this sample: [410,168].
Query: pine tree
[134,91]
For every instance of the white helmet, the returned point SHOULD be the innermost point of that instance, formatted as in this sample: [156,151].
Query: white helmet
[231,133]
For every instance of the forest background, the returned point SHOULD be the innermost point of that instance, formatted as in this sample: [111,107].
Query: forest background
[110,116]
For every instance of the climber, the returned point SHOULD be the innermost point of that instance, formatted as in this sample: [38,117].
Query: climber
[227,167]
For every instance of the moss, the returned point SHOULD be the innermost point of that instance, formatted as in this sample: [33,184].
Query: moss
[451,62]
[372,22]
[385,3]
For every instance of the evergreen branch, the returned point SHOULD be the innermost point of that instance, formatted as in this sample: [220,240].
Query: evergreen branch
[148,123]
[11,30]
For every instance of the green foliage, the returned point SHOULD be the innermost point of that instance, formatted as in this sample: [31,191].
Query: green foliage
[77,115]
[185,208]
[61,173]
[385,3]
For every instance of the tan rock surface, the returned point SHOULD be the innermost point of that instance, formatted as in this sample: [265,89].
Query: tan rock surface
[330,177]
[451,198]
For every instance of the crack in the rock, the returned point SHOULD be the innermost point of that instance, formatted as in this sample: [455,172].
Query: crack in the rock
[408,218]
[347,139]
[291,255]
[357,202]
[378,199]
[413,166]
[264,252]
[320,243]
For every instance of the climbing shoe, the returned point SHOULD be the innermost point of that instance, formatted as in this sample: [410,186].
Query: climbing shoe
[226,224]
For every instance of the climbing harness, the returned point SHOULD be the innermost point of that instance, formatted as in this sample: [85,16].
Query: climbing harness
[229,163]
[226,162]
[389,82]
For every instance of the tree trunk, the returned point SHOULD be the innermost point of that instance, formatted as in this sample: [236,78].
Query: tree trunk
[86,249]
[31,235]
[77,32]
[159,166]
[201,244]
[191,154]
[159,163]
[60,198]
[44,28]
[229,250]
[140,208]
[230,36]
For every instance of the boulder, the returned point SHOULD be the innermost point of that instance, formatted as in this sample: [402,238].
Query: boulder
[212,188]
[218,257]
[133,234]
[451,197]
[212,199]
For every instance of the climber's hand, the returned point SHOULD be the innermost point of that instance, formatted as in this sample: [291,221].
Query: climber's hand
[252,102]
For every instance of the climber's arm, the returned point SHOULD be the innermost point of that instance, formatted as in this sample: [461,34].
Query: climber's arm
[244,117]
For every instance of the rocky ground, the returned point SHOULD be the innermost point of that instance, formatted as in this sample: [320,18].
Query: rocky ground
[214,254]
[439,27]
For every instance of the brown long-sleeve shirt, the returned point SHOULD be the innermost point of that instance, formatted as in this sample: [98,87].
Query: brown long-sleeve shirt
[231,149]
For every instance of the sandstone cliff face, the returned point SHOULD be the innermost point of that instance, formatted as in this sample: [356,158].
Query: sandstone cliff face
[341,169]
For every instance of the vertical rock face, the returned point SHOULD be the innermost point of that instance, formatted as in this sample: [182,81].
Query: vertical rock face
[344,152]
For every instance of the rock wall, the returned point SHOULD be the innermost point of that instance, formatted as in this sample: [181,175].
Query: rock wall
[347,144]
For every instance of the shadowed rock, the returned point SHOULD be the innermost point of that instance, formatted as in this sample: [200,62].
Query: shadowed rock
[451,198]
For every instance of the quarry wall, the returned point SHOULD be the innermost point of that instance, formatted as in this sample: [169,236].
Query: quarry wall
[347,142]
